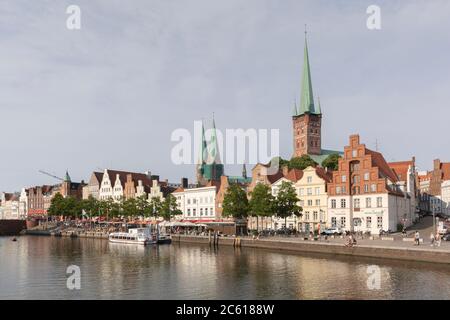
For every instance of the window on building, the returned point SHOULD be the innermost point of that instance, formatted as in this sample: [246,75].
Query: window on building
[343,222]
[354,166]
[356,178]
[373,187]
[366,176]
[344,189]
[354,153]
[344,178]
[338,190]
[369,223]
[201,211]
[368,203]
[333,222]
[310,203]
[309,191]
[357,222]
[317,190]
[356,203]
[317,202]
[379,202]
[333,203]
[315,216]
[309,179]
[380,222]
[343,203]
[366,188]
[307,215]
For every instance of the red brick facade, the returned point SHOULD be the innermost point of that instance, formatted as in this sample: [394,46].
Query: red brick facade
[360,171]
[307,134]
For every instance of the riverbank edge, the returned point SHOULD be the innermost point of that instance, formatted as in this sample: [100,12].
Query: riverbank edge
[408,254]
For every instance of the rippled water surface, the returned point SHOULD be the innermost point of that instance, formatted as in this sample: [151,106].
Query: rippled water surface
[35,268]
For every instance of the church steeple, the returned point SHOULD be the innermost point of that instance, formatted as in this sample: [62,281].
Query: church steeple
[213,150]
[244,172]
[67,177]
[307,96]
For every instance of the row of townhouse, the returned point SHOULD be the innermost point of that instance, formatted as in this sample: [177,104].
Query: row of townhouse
[365,194]
[116,185]
[34,201]
[435,189]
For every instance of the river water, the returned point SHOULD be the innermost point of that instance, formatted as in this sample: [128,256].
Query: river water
[36,268]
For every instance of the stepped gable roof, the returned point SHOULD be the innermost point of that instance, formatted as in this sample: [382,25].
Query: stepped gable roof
[379,161]
[135,176]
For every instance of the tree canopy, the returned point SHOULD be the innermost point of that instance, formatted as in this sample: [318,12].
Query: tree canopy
[302,162]
[332,161]
[285,203]
[235,202]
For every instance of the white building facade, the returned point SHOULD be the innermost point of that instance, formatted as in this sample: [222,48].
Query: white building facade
[197,204]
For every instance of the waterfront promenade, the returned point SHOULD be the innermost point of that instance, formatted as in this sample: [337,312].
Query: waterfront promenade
[386,249]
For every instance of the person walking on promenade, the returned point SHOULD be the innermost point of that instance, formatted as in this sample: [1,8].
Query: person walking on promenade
[438,240]
[417,237]
[432,237]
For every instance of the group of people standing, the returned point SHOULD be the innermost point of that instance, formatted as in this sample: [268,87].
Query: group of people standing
[435,239]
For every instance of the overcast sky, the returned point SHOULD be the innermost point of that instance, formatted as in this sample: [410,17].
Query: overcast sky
[110,95]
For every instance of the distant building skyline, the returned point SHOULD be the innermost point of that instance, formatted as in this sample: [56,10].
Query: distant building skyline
[110,94]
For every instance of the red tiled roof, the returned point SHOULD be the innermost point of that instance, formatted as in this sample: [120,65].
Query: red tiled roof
[379,161]
[400,168]
[445,167]
[325,175]
[180,189]
[294,175]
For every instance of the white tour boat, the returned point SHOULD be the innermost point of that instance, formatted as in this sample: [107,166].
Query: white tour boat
[134,236]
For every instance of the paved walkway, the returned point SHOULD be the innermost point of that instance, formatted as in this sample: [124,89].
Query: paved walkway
[445,245]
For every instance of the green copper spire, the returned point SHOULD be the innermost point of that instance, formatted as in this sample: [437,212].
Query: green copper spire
[295,111]
[67,177]
[318,108]
[307,97]
[214,156]
[203,149]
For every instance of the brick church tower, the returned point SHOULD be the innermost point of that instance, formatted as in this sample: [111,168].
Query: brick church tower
[307,120]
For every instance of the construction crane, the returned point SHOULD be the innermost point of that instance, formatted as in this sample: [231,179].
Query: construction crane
[51,175]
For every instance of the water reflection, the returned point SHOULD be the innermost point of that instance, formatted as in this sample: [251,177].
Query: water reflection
[35,268]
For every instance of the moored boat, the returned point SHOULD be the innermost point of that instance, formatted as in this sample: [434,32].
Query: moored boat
[134,236]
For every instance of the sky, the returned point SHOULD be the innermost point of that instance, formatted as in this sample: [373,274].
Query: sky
[111,94]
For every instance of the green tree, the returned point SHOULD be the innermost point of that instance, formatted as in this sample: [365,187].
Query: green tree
[285,204]
[91,206]
[155,207]
[73,207]
[281,162]
[57,206]
[235,202]
[261,202]
[169,208]
[129,208]
[302,162]
[115,208]
[143,205]
[331,162]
